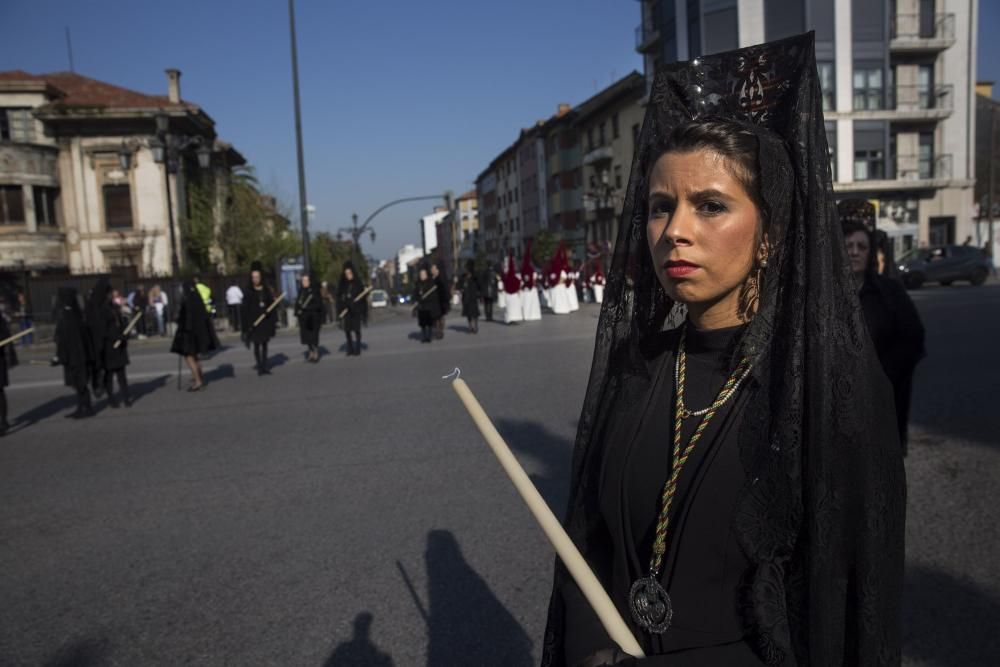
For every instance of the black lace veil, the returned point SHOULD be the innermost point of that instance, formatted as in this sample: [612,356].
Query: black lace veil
[821,517]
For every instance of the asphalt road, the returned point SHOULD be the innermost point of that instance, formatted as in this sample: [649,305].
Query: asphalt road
[348,513]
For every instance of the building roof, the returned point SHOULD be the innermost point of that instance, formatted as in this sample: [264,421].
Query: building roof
[471,194]
[632,84]
[76,90]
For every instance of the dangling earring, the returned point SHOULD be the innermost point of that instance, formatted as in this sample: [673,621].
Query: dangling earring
[750,294]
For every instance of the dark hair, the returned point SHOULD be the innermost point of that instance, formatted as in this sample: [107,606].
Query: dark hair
[850,226]
[737,144]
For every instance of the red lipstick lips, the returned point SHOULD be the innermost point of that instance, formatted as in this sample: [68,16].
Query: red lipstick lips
[680,269]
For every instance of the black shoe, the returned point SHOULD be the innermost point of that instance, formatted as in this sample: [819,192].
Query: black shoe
[113,403]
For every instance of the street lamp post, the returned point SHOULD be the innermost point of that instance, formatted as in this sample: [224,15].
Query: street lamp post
[167,150]
[303,214]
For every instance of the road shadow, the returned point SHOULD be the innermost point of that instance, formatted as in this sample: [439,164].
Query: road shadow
[466,623]
[343,347]
[221,372]
[948,620]
[359,650]
[554,452]
[459,328]
[323,351]
[42,412]
[138,390]
[82,653]
[276,360]
[415,335]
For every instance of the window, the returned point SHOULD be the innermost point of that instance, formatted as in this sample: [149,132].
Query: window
[828,85]
[868,89]
[11,205]
[614,126]
[618,176]
[925,86]
[17,125]
[869,165]
[925,160]
[590,138]
[600,134]
[117,207]
[46,206]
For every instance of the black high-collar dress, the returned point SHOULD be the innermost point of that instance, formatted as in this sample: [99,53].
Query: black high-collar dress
[704,566]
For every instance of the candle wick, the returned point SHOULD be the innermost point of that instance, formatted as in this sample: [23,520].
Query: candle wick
[454,375]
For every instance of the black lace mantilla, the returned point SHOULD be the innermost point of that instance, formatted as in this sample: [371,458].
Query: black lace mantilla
[821,517]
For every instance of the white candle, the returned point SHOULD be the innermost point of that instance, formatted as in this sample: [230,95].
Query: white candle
[567,551]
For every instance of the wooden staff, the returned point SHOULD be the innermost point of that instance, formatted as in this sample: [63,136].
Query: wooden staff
[128,330]
[591,588]
[424,296]
[355,300]
[19,334]
[267,312]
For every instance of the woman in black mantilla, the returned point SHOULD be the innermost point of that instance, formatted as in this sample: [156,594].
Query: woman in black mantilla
[427,304]
[195,333]
[8,359]
[892,319]
[74,350]
[737,484]
[106,324]
[310,312]
[259,324]
[353,306]
[470,296]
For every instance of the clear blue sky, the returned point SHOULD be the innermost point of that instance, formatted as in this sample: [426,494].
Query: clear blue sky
[399,98]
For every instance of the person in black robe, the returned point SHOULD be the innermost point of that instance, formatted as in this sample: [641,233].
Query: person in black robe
[352,307]
[489,291]
[74,350]
[8,359]
[891,317]
[443,294]
[309,311]
[195,333]
[427,304]
[737,484]
[470,296]
[259,323]
[106,325]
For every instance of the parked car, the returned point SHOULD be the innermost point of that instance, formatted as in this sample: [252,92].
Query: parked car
[944,264]
[380,298]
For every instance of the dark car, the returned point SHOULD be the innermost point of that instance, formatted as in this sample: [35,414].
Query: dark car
[944,264]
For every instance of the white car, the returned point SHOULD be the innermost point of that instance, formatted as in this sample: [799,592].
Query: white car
[380,298]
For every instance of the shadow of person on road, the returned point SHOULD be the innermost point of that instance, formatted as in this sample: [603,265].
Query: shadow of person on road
[415,335]
[42,412]
[467,624]
[343,348]
[276,360]
[82,653]
[359,650]
[460,329]
[138,390]
[949,621]
[220,372]
[554,452]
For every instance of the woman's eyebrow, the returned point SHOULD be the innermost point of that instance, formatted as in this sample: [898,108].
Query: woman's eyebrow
[710,193]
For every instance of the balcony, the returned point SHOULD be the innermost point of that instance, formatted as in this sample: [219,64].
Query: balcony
[902,103]
[906,172]
[646,37]
[921,33]
[599,154]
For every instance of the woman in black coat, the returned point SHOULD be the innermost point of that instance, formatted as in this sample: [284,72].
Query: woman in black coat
[353,306]
[427,303]
[893,322]
[8,359]
[470,296]
[195,333]
[259,323]
[74,350]
[107,324]
[310,312]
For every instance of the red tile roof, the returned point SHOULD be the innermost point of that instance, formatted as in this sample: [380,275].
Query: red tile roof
[471,194]
[82,91]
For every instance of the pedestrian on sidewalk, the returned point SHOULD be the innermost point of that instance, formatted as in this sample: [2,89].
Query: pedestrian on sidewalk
[354,309]
[891,318]
[140,303]
[74,350]
[469,287]
[195,333]
[234,304]
[160,304]
[309,312]
[427,304]
[257,298]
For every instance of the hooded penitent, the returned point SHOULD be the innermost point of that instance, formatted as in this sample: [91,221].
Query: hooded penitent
[822,513]
[511,283]
[527,268]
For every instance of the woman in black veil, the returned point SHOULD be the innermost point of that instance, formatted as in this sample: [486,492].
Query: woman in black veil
[74,351]
[195,333]
[737,484]
[310,311]
[353,306]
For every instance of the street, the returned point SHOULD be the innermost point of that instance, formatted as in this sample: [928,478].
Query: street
[349,513]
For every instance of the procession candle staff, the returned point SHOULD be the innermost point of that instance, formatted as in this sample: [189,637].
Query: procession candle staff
[128,329]
[595,594]
[352,306]
[21,334]
[258,309]
[357,298]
